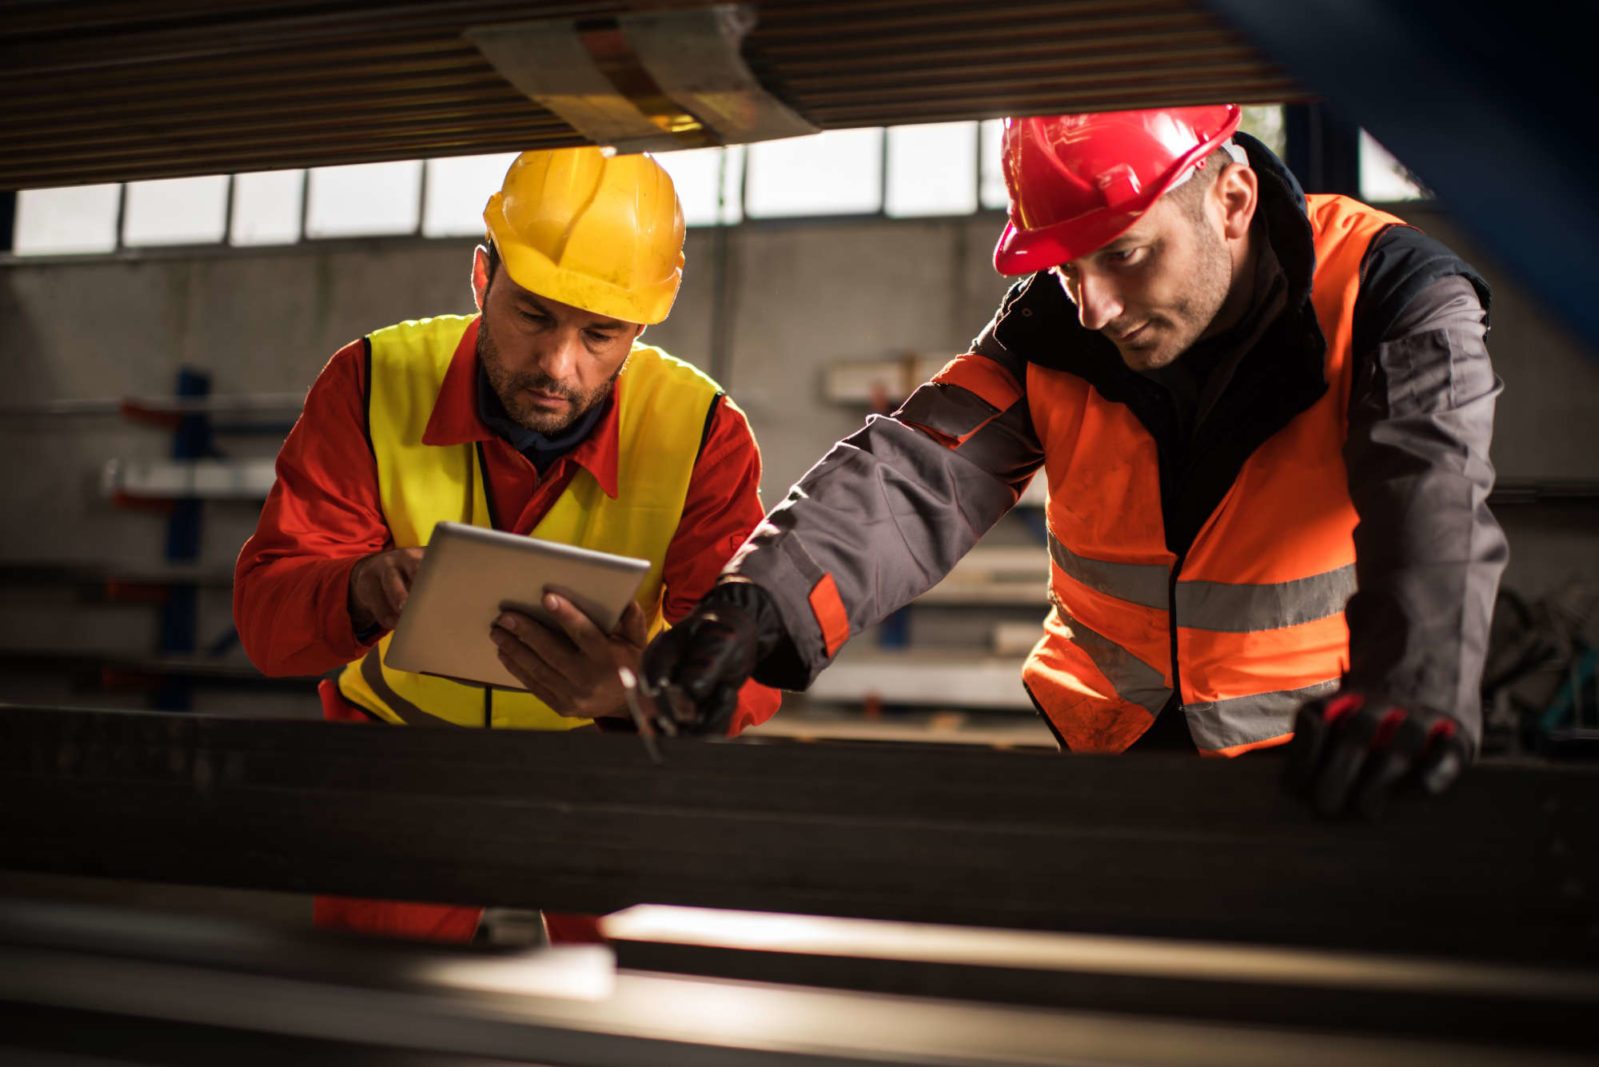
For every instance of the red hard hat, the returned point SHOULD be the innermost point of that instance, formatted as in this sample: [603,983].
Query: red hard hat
[1078,181]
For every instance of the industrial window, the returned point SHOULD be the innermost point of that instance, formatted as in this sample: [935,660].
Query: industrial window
[364,199]
[991,175]
[1383,179]
[839,172]
[80,218]
[709,183]
[175,211]
[456,190]
[947,169]
[932,170]
[1265,121]
[267,207]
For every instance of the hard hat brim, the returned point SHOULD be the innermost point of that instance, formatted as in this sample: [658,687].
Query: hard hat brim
[1020,251]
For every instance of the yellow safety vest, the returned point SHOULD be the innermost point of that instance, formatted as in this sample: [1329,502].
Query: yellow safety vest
[662,407]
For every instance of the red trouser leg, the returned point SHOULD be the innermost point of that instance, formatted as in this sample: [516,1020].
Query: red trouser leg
[570,928]
[390,918]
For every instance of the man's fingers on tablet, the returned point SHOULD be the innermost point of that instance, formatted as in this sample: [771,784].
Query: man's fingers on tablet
[396,590]
[523,658]
[536,680]
[633,627]
[575,625]
[528,635]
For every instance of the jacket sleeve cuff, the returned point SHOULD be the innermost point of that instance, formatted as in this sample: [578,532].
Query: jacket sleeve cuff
[333,608]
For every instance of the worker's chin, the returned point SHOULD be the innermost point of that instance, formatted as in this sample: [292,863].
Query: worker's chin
[548,426]
[1146,357]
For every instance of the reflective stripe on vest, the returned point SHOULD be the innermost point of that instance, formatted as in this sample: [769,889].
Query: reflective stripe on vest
[1235,608]
[662,405]
[1251,622]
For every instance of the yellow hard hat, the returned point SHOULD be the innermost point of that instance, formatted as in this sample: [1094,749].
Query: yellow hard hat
[598,231]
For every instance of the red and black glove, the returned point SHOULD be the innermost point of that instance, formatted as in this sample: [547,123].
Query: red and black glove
[1351,751]
[696,669]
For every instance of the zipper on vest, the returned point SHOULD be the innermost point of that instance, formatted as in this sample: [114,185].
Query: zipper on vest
[1171,622]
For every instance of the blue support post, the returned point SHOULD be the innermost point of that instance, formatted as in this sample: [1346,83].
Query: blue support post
[180,613]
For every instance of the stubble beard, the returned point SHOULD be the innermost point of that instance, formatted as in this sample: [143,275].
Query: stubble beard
[1186,320]
[512,390]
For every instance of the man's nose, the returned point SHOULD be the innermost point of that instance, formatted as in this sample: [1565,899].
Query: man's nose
[1098,302]
[558,357]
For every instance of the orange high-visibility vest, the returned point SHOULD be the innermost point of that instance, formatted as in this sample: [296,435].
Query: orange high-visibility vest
[1249,622]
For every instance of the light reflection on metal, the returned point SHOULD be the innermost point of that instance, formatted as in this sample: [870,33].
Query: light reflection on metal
[574,972]
[1035,950]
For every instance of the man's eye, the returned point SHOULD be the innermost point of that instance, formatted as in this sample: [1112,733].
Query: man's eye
[599,337]
[1126,256]
[535,318]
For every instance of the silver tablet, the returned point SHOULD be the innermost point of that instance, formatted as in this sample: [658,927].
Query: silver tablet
[469,575]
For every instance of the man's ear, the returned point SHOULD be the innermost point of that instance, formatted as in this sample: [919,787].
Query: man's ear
[1238,190]
[480,275]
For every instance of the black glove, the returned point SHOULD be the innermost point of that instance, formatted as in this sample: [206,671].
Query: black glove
[1352,750]
[696,668]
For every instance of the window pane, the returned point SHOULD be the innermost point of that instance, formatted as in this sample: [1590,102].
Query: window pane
[457,190]
[838,172]
[364,199]
[932,169]
[993,174]
[1265,121]
[1383,179]
[266,207]
[79,219]
[707,181]
[175,211]
[734,160]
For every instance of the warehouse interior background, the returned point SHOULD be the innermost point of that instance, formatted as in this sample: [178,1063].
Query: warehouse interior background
[201,203]
[824,274]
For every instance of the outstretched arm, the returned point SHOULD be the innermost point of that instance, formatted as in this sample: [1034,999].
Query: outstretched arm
[878,521]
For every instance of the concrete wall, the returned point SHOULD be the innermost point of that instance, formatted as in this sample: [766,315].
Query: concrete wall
[797,298]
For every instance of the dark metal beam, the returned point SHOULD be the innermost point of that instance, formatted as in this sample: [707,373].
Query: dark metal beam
[1452,999]
[1322,150]
[102,988]
[1173,846]
[1486,101]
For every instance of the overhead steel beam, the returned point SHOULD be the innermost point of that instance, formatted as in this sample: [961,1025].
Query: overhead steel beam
[1505,867]
[1490,103]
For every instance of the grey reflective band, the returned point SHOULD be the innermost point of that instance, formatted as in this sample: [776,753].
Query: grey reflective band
[1225,607]
[1146,584]
[1134,680]
[1222,724]
[407,712]
[1236,609]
